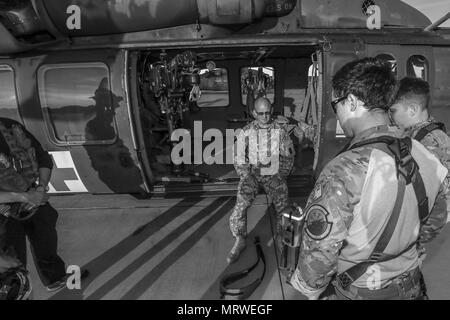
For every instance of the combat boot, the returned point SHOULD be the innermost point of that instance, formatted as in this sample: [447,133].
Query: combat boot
[238,247]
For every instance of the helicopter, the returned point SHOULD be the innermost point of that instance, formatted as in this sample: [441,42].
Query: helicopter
[103,84]
[112,87]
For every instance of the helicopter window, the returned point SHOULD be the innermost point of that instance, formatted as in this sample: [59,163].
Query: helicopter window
[8,99]
[417,66]
[77,103]
[389,58]
[258,80]
[214,88]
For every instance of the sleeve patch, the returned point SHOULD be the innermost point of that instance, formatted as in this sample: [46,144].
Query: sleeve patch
[318,227]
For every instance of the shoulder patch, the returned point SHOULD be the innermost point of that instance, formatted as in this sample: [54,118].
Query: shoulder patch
[318,227]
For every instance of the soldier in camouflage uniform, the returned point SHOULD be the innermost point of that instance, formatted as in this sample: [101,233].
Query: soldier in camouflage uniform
[354,196]
[271,138]
[410,111]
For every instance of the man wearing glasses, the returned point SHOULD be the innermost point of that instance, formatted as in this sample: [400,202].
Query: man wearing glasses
[263,136]
[363,217]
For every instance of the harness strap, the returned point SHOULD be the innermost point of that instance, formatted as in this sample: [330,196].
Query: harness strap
[429,128]
[241,293]
[421,196]
[406,166]
[356,271]
[407,172]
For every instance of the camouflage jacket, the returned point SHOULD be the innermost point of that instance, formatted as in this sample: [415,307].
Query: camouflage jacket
[347,211]
[438,143]
[264,148]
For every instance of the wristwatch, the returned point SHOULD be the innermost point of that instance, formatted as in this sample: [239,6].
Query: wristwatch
[45,188]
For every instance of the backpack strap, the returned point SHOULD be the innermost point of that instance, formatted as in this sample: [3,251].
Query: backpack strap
[428,128]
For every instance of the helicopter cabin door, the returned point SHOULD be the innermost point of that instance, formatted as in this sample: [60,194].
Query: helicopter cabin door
[77,106]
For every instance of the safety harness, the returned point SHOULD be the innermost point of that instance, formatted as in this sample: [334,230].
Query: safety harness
[407,172]
[311,111]
[429,128]
[241,293]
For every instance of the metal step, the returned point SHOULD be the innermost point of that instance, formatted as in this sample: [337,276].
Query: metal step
[298,186]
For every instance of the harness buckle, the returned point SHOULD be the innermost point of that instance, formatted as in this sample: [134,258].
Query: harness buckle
[405,160]
[345,280]
[375,256]
[406,165]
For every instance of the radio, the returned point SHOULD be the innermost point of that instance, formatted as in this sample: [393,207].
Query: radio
[291,237]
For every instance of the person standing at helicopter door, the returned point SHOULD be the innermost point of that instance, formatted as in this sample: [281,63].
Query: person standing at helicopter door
[353,246]
[25,169]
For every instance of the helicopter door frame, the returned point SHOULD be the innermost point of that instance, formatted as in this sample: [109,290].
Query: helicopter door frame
[335,55]
[135,117]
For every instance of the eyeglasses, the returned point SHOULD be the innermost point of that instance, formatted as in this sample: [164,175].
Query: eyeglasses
[267,113]
[391,113]
[336,101]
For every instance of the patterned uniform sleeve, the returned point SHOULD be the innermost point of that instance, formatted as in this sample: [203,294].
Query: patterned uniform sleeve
[241,161]
[304,131]
[329,214]
[438,143]
[438,216]
[287,153]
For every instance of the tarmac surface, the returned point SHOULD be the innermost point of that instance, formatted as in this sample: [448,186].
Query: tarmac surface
[176,249]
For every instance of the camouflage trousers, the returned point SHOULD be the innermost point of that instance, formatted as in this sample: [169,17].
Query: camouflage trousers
[274,186]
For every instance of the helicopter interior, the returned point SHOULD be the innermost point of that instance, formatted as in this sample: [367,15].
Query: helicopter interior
[212,88]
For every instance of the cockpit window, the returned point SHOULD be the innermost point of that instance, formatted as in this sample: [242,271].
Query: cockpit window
[214,88]
[258,80]
[389,58]
[77,103]
[8,98]
[417,66]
